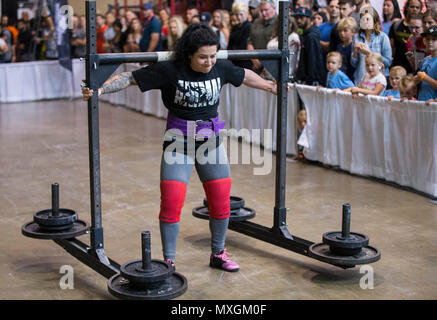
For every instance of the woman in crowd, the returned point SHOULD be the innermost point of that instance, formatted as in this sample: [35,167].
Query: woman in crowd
[240,32]
[176,27]
[218,24]
[391,13]
[134,37]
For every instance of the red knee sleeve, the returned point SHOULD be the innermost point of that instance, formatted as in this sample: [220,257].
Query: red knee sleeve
[172,200]
[218,193]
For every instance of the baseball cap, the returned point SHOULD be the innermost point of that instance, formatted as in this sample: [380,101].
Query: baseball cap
[303,11]
[205,17]
[147,6]
[432,31]
[254,4]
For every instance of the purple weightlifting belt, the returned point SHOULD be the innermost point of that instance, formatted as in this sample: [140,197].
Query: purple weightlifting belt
[195,128]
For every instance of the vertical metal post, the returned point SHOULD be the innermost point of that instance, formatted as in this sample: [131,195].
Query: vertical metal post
[346,221]
[55,199]
[146,252]
[96,241]
[280,223]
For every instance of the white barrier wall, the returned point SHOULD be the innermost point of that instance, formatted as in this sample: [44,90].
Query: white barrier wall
[369,136]
[39,80]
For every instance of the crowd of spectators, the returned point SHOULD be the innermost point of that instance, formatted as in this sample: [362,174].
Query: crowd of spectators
[340,44]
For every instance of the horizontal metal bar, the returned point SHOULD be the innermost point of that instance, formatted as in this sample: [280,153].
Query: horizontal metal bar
[118,58]
[270,235]
[80,251]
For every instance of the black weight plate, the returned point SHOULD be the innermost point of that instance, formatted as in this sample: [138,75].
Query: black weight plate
[132,271]
[33,230]
[55,228]
[236,202]
[172,287]
[242,215]
[344,251]
[321,251]
[355,240]
[45,218]
[237,215]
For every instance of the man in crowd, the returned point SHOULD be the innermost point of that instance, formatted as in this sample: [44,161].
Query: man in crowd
[6,35]
[190,13]
[151,39]
[253,9]
[101,27]
[25,43]
[262,30]
[78,38]
[310,70]
[358,5]
[326,27]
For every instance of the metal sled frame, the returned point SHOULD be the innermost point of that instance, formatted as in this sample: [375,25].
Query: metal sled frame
[100,66]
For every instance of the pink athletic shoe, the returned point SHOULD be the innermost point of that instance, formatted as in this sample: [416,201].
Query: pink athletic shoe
[222,261]
[171,263]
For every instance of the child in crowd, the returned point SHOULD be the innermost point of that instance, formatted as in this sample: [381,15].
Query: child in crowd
[429,19]
[301,120]
[428,71]
[415,47]
[336,78]
[319,18]
[373,82]
[396,74]
[346,30]
[301,123]
[408,88]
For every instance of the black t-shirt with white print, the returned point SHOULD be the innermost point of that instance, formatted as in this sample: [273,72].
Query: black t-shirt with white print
[188,94]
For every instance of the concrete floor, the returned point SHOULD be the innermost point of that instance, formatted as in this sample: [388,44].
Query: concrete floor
[43,142]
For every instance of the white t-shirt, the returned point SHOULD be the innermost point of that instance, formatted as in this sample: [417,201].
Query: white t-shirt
[2,43]
[370,83]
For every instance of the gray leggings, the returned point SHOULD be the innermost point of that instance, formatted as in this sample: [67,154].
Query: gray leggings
[177,166]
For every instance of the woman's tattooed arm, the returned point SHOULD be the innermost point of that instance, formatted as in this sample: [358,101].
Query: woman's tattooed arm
[118,82]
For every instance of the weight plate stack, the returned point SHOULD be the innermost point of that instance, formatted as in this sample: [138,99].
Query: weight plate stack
[33,230]
[236,202]
[344,248]
[322,252]
[47,221]
[55,223]
[238,211]
[133,271]
[241,214]
[172,287]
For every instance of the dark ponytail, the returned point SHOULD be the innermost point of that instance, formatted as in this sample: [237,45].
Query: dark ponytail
[194,37]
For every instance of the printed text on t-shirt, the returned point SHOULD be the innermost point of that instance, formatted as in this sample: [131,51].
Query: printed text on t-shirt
[197,94]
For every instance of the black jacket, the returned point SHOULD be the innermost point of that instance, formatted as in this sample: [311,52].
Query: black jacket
[238,41]
[311,70]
